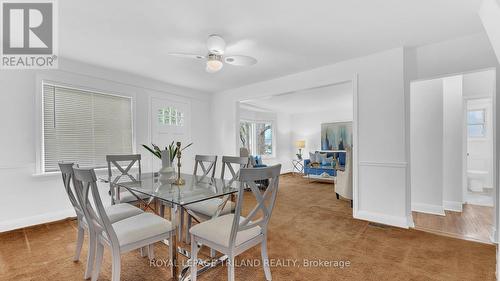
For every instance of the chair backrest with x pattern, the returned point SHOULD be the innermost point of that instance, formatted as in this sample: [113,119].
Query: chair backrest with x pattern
[96,216]
[114,161]
[265,201]
[201,160]
[227,161]
[68,180]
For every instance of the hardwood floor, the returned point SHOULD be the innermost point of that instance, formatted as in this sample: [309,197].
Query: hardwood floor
[308,224]
[473,223]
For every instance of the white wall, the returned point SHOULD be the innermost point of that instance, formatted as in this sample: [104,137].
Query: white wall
[464,54]
[381,134]
[437,143]
[307,126]
[453,143]
[426,146]
[490,16]
[27,199]
[479,84]
[285,151]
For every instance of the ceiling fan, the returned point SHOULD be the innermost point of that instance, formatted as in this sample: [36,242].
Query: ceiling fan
[215,58]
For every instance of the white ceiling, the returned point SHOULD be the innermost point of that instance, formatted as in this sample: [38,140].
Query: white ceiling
[306,101]
[285,36]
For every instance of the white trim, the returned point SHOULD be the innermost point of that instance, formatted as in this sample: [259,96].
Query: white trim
[34,220]
[355,145]
[402,222]
[454,206]
[411,223]
[428,209]
[464,146]
[446,75]
[383,164]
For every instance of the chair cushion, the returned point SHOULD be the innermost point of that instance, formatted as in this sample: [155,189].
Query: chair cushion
[209,207]
[218,231]
[140,227]
[122,211]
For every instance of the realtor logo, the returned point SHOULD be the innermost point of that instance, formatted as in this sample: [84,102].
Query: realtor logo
[28,35]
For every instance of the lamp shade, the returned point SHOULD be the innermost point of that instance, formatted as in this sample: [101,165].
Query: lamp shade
[300,144]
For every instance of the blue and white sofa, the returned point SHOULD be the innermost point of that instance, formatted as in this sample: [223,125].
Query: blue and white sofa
[324,167]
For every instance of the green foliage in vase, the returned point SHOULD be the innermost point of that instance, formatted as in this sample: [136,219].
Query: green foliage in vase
[172,150]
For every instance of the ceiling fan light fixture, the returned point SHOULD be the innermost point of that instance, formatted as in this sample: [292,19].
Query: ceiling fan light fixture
[214,64]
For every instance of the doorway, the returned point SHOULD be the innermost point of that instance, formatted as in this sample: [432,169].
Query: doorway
[452,135]
[479,152]
[296,120]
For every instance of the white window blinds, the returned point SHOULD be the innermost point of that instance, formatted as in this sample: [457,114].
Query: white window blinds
[84,126]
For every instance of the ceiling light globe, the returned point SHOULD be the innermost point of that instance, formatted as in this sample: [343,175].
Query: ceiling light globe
[214,65]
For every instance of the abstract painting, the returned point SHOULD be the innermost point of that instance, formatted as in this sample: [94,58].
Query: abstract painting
[336,136]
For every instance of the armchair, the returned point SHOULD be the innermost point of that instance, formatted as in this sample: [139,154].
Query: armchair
[343,185]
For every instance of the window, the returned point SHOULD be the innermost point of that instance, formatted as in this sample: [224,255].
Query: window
[170,116]
[84,126]
[476,125]
[257,137]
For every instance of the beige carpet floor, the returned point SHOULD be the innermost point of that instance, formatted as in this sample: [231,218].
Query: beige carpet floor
[308,224]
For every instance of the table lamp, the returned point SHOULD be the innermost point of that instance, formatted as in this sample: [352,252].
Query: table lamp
[300,144]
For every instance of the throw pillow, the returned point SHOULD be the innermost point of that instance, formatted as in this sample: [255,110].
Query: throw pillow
[312,157]
[320,157]
[258,160]
[327,161]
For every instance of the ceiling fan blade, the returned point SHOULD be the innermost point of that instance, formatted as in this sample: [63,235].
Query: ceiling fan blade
[240,60]
[187,56]
[216,44]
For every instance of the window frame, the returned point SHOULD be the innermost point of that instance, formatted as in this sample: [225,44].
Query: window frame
[170,115]
[40,135]
[484,124]
[273,128]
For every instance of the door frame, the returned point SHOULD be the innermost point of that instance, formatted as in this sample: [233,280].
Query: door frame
[355,136]
[496,181]
[465,144]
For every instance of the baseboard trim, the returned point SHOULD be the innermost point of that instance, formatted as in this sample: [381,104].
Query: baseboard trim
[453,206]
[428,209]
[411,223]
[401,222]
[35,220]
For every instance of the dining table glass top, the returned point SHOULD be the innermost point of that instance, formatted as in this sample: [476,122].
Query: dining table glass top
[195,189]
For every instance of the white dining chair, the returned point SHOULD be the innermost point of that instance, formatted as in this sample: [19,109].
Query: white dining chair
[208,209]
[132,233]
[201,161]
[233,234]
[123,164]
[207,164]
[115,213]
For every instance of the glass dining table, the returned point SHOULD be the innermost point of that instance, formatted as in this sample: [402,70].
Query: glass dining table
[175,197]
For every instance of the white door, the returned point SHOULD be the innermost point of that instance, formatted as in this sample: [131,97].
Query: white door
[170,122]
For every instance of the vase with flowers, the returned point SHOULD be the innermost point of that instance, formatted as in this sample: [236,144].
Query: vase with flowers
[167,157]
